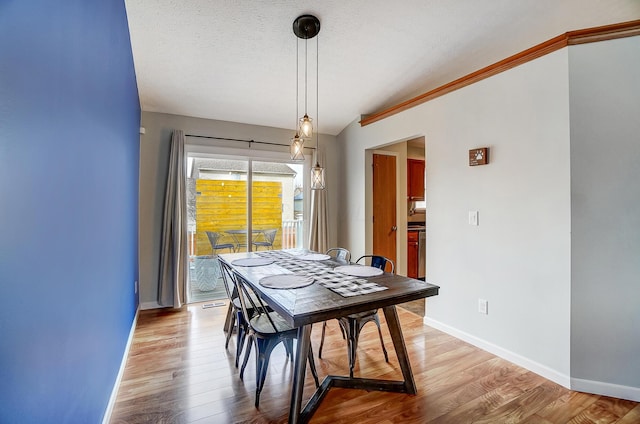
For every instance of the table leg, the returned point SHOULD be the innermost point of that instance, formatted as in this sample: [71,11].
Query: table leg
[304,343]
[401,350]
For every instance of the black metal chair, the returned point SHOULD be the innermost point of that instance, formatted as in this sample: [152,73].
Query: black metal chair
[214,238]
[269,238]
[352,324]
[340,254]
[265,329]
[234,313]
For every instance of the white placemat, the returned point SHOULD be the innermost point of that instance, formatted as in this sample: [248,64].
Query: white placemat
[253,261]
[314,257]
[286,281]
[359,270]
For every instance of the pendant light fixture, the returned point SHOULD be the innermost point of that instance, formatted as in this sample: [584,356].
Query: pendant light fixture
[317,172]
[306,27]
[297,143]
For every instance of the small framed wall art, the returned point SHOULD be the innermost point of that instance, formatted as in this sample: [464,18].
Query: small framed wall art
[479,156]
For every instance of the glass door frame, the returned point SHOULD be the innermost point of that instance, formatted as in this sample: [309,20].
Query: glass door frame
[251,155]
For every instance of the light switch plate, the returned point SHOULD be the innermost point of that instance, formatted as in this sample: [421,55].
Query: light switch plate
[473,218]
[483,306]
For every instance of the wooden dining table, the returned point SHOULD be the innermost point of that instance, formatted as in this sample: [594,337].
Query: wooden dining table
[332,294]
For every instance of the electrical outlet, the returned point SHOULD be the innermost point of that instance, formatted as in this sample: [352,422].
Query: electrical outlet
[483,306]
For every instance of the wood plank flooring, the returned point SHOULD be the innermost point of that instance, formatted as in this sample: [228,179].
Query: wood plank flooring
[178,371]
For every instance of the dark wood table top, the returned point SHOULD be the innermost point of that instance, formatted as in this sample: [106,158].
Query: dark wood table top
[315,303]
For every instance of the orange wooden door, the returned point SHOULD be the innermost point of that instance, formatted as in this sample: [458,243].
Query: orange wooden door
[384,206]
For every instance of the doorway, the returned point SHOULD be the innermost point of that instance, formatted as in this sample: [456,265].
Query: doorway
[238,205]
[385,226]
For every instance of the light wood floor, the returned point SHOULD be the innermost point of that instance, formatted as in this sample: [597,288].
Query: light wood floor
[178,371]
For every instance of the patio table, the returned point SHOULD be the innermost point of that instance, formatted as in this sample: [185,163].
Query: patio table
[240,237]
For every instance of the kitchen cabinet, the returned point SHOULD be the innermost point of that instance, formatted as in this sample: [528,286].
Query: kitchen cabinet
[415,179]
[413,254]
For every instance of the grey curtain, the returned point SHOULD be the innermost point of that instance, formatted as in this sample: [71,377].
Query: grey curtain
[173,255]
[318,233]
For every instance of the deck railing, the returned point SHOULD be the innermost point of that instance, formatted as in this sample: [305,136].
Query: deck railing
[292,234]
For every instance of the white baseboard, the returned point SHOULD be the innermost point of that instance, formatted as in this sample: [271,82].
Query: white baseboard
[579,385]
[606,389]
[543,370]
[149,305]
[114,392]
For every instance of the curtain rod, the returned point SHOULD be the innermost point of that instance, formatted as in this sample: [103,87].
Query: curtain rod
[244,141]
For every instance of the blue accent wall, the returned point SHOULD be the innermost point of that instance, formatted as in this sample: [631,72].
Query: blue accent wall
[69,160]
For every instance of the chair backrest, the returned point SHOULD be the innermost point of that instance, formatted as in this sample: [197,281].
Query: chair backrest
[228,278]
[270,235]
[378,262]
[213,236]
[249,299]
[339,253]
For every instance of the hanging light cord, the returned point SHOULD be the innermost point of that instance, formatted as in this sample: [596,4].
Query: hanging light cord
[297,81]
[305,76]
[317,101]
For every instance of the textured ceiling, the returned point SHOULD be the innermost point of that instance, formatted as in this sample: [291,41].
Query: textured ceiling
[235,60]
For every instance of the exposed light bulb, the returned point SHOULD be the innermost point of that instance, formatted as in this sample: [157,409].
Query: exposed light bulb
[306,126]
[296,148]
[317,177]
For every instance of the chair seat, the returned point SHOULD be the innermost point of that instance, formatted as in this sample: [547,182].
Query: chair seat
[236,303]
[224,246]
[262,325]
[269,238]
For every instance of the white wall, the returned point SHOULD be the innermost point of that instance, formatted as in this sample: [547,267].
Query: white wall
[518,258]
[557,250]
[154,158]
[605,205]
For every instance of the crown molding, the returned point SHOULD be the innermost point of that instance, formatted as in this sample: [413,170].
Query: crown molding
[583,36]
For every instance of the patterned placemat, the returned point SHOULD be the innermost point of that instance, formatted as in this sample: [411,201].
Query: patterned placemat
[276,254]
[323,273]
[303,267]
[347,286]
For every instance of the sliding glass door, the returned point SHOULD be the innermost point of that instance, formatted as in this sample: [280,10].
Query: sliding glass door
[277,214]
[238,205]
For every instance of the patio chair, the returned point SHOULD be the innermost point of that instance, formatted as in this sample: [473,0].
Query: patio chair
[214,239]
[269,237]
